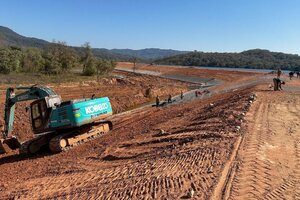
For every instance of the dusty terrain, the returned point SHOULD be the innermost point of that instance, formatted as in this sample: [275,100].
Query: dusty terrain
[125,91]
[227,77]
[226,146]
[268,163]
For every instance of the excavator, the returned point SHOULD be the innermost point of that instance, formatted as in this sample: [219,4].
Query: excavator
[57,125]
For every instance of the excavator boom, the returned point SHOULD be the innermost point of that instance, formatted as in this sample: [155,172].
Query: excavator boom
[30,93]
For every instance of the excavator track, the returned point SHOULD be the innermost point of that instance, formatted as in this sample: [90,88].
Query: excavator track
[59,142]
[34,145]
[56,145]
[25,148]
[68,140]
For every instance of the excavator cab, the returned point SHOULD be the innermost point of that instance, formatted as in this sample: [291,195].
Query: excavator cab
[40,114]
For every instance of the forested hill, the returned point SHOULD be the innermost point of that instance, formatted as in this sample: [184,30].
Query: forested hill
[10,38]
[149,53]
[256,58]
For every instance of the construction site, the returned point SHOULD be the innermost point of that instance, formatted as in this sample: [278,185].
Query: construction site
[213,134]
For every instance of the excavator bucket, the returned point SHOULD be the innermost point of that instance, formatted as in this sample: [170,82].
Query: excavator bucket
[9,144]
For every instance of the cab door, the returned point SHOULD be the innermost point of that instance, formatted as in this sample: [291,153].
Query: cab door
[39,116]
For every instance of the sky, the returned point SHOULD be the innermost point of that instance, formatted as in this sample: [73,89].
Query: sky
[203,25]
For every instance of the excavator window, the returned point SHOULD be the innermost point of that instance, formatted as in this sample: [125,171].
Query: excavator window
[35,111]
[39,114]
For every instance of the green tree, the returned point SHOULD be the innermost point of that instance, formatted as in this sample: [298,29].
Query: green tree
[32,60]
[88,61]
[10,59]
[67,57]
[105,66]
[134,61]
[5,61]
[59,58]
[51,56]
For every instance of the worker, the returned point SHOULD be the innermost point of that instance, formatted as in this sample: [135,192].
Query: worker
[181,94]
[196,93]
[157,101]
[277,84]
[278,73]
[275,81]
[170,99]
[291,75]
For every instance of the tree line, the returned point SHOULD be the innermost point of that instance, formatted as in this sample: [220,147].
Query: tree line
[56,58]
[257,59]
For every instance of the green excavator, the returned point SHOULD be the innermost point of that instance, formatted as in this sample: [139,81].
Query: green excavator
[56,125]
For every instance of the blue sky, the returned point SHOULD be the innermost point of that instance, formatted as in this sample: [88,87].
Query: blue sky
[204,25]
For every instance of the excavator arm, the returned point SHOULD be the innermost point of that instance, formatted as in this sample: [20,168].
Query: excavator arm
[30,93]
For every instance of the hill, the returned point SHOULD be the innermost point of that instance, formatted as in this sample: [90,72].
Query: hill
[255,58]
[10,38]
[149,53]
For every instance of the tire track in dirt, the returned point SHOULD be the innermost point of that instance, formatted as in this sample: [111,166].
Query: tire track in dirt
[167,177]
[297,170]
[188,156]
[269,160]
[253,173]
[288,188]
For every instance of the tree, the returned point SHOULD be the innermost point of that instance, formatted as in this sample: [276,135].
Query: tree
[59,58]
[10,59]
[67,57]
[88,61]
[32,60]
[5,61]
[51,56]
[105,66]
[134,60]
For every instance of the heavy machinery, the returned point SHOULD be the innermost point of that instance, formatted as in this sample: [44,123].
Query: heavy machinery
[56,124]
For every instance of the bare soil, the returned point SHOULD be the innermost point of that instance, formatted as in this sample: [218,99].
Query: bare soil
[268,163]
[225,146]
[228,77]
[126,91]
[137,160]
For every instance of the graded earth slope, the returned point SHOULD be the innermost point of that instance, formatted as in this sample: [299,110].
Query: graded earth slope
[137,159]
[202,149]
[125,90]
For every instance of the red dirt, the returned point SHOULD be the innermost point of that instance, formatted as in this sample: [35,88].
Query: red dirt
[134,160]
[124,93]
[268,163]
[224,75]
[164,153]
